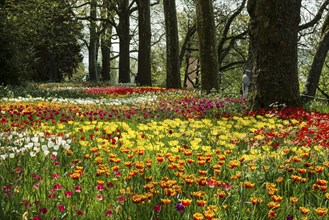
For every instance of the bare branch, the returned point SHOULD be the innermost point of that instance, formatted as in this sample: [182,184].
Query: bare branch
[232,65]
[323,93]
[190,32]
[131,8]
[155,3]
[79,6]
[160,38]
[224,51]
[317,17]
[228,24]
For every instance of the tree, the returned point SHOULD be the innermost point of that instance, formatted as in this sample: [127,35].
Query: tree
[273,33]
[189,29]
[173,79]
[144,50]
[228,39]
[8,74]
[43,40]
[56,46]
[106,41]
[317,64]
[207,45]
[123,31]
[93,38]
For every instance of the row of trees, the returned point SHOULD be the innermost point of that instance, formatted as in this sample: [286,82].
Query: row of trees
[43,39]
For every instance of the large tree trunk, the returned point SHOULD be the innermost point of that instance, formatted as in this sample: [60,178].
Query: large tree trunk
[249,67]
[92,49]
[106,54]
[53,70]
[207,45]
[273,32]
[124,37]
[106,45]
[173,67]
[317,64]
[144,52]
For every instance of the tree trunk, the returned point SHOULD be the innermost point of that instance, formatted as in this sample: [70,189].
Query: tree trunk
[93,43]
[317,64]
[172,67]
[144,51]
[53,70]
[124,37]
[186,72]
[207,45]
[106,54]
[249,67]
[106,45]
[273,33]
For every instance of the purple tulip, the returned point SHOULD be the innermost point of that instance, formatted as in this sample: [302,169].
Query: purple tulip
[180,207]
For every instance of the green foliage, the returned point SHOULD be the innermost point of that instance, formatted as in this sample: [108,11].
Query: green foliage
[318,105]
[43,41]
[158,67]
[7,70]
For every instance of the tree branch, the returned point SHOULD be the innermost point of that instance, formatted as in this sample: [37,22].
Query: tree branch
[190,32]
[228,25]
[316,18]
[155,3]
[224,51]
[323,93]
[157,41]
[232,65]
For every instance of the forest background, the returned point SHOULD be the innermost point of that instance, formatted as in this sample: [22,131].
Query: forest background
[47,41]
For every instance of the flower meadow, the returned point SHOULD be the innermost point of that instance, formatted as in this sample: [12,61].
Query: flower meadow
[152,153]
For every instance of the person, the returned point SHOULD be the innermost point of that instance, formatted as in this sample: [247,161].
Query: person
[245,84]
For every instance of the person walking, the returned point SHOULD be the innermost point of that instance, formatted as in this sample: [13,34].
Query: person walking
[245,84]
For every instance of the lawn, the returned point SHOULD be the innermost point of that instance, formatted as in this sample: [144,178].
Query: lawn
[151,153]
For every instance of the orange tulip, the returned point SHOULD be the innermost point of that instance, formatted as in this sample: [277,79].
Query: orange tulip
[321,182]
[197,216]
[276,198]
[321,211]
[294,200]
[209,214]
[186,202]
[165,201]
[327,196]
[273,205]
[304,210]
[248,185]
[255,201]
[271,214]
[201,203]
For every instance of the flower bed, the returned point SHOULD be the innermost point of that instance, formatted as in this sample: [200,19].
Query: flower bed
[174,157]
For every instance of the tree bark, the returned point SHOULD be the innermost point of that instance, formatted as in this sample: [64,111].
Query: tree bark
[53,70]
[317,64]
[93,42]
[124,37]
[273,32]
[144,77]
[249,67]
[207,45]
[172,46]
[106,55]
[106,45]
